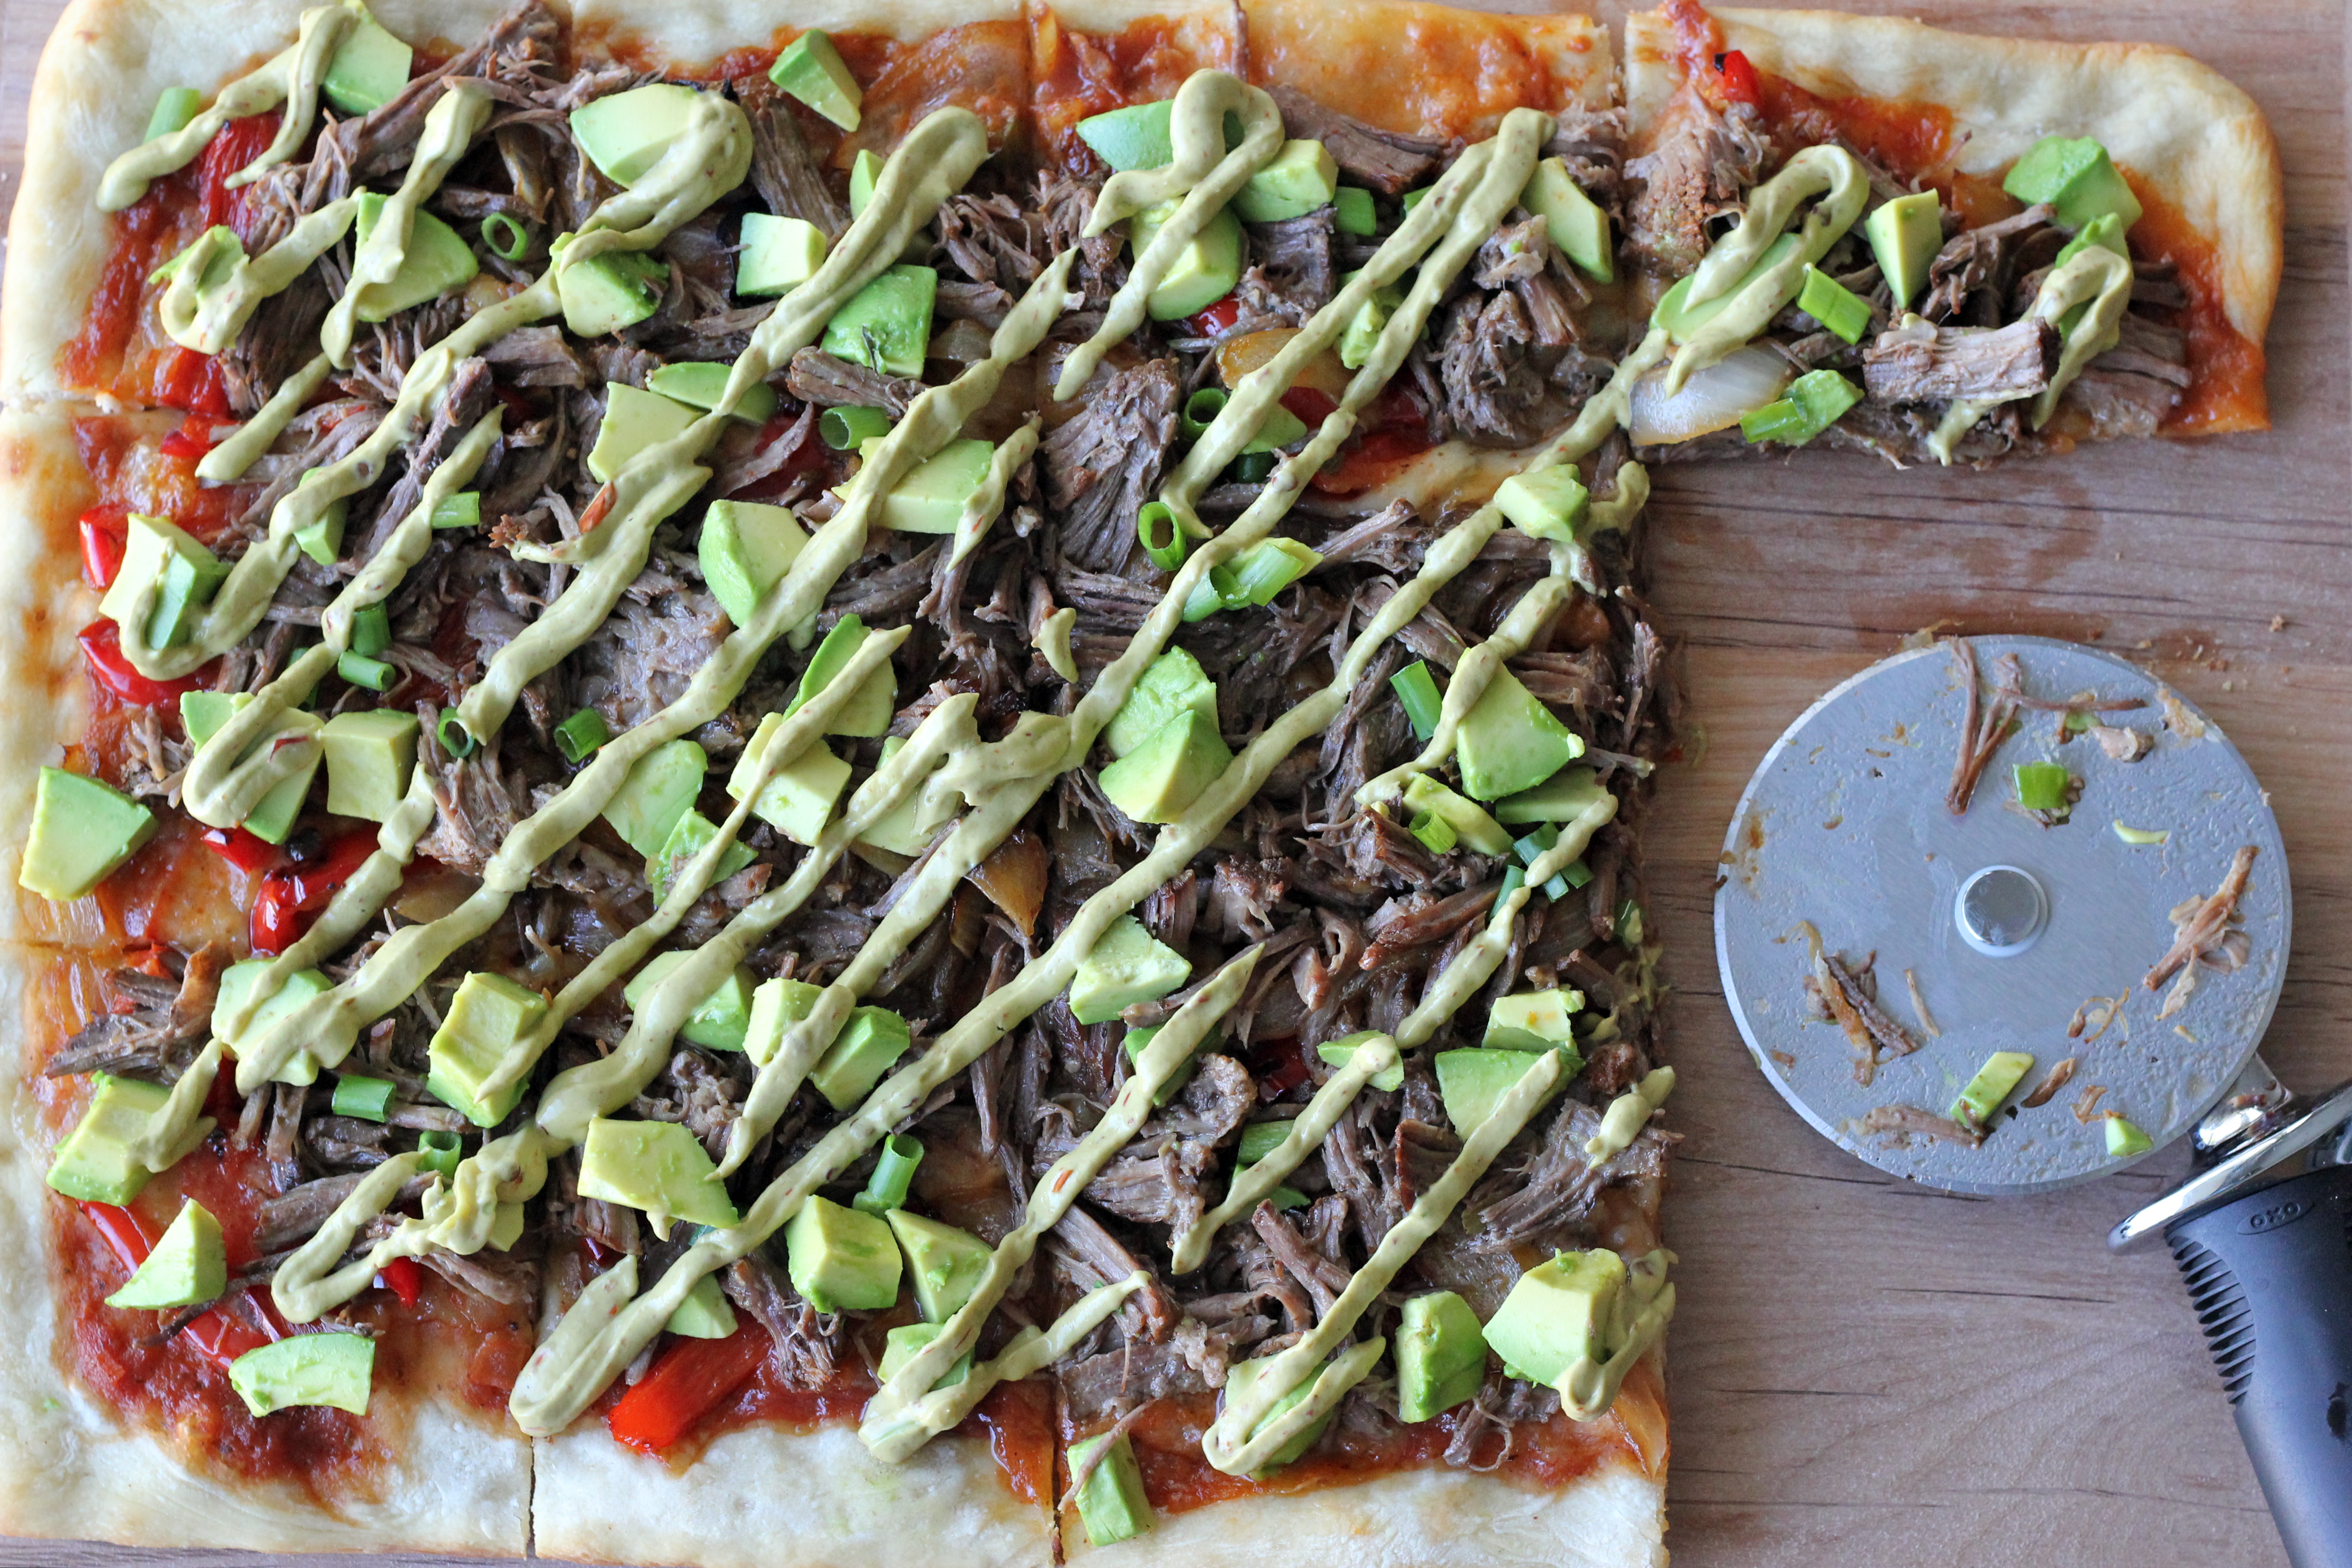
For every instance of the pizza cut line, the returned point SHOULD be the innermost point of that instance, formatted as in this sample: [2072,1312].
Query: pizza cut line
[882,785]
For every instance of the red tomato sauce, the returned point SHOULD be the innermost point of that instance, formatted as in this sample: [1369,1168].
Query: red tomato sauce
[1074,74]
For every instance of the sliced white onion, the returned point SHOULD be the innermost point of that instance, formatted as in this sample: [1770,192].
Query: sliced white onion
[1713,399]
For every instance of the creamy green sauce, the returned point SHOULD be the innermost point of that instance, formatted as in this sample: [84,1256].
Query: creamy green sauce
[2097,278]
[227,463]
[455,118]
[1830,173]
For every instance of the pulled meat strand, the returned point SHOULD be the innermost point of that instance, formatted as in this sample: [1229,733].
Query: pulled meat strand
[1901,1122]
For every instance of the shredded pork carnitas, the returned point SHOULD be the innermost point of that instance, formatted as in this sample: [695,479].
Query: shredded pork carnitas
[2204,933]
[1900,1123]
[1984,725]
[1848,994]
[2059,1076]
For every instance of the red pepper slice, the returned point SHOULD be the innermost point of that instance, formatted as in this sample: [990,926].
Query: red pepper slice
[404,1279]
[242,849]
[191,440]
[290,896]
[1740,83]
[194,383]
[1281,1066]
[101,650]
[103,532]
[1372,460]
[1312,406]
[685,1382]
[218,1335]
[1217,319]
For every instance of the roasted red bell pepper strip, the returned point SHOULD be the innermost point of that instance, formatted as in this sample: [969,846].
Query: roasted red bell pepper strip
[1311,406]
[191,440]
[291,895]
[404,1279]
[1218,318]
[217,1335]
[103,534]
[242,849]
[686,1382]
[101,650]
[1740,83]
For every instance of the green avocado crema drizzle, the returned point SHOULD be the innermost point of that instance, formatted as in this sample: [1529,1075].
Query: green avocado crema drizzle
[2095,288]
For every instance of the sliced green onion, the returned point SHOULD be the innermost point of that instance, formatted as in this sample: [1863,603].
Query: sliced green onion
[579,736]
[367,1099]
[1259,1139]
[1220,590]
[1834,305]
[463,509]
[506,238]
[2142,836]
[1286,1198]
[1252,467]
[2041,786]
[843,428]
[1436,834]
[456,738]
[886,1188]
[1514,879]
[1153,521]
[173,108]
[1269,566]
[1535,843]
[1201,411]
[1137,1039]
[371,631]
[1416,688]
[1556,887]
[439,1152]
[372,673]
[1576,874]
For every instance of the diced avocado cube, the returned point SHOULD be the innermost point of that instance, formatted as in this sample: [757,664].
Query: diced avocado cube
[155,551]
[1171,684]
[1355,213]
[887,326]
[1905,235]
[657,1167]
[1558,1314]
[1471,824]
[1508,741]
[1204,271]
[369,757]
[1532,1021]
[864,174]
[435,261]
[2075,176]
[367,71]
[1161,779]
[811,70]
[746,548]
[330,1369]
[203,714]
[1565,797]
[633,420]
[2042,786]
[1441,1355]
[1813,402]
[486,1018]
[659,790]
[1136,137]
[2105,231]
[779,255]
[869,711]
[905,1343]
[1365,327]
[838,1258]
[1112,1505]
[931,498]
[94,1162]
[321,539]
[705,1314]
[236,983]
[1126,966]
[869,1043]
[1574,222]
[1473,1082]
[188,1265]
[609,291]
[1299,179]
[943,1264]
[1994,1082]
[721,1020]
[1681,320]
[625,134]
[908,827]
[701,384]
[776,1006]
[1338,1053]
[2124,1138]
[1550,503]
[1834,305]
[81,831]
[693,833]
[1260,1139]
[799,801]
[1242,1380]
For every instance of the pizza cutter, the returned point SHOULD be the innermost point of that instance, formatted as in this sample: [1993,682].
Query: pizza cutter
[1998,931]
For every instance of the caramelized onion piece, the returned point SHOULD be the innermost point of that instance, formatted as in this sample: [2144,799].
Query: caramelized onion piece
[1014,878]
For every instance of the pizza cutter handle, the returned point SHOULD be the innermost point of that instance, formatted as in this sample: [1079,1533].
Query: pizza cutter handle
[2271,1276]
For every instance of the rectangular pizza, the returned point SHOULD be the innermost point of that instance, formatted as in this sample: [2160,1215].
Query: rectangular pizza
[794,785]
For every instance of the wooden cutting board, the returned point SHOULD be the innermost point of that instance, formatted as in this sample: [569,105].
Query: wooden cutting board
[1866,1375]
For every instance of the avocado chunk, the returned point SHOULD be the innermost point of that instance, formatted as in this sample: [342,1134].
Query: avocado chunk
[2124,1138]
[185,573]
[1473,1082]
[864,174]
[799,801]
[1994,1082]
[236,983]
[1204,271]
[81,831]
[701,384]
[867,713]
[659,790]
[1813,403]
[2105,231]
[721,1020]
[839,1259]
[705,1314]
[1161,778]
[1904,235]
[1242,1379]
[1565,797]
[1365,327]
[611,290]
[1573,220]
[625,134]
[1469,821]
[370,755]
[1126,966]
[746,548]
[1298,180]
[202,714]
[323,538]
[1338,1053]
[1137,137]
[367,69]
[1112,1505]
[2078,180]
[94,1162]
[435,261]
[657,1167]
[332,1368]
[812,70]
[887,326]
[1532,1021]
[487,1017]
[779,255]
[188,1265]
[693,833]
[1353,212]
[1550,503]
[944,1264]
[633,420]
[1441,1355]
[1558,1314]
[867,1045]
[905,1343]
[1681,319]
[907,828]
[776,1006]
[1171,684]
[1508,741]
[931,498]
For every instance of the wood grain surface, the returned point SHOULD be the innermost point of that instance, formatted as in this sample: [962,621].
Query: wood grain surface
[1866,1374]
